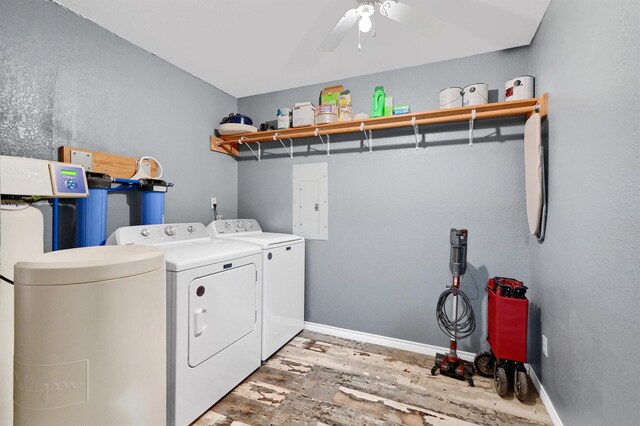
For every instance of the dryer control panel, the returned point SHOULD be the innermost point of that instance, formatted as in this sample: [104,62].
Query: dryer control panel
[232,226]
[158,234]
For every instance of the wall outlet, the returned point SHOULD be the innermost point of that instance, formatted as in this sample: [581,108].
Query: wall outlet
[545,346]
[213,202]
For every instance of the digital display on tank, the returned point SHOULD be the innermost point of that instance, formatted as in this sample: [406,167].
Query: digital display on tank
[68,181]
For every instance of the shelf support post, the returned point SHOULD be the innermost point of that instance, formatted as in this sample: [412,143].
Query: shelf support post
[328,144]
[415,131]
[258,154]
[368,138]
[289,151]
[471,121]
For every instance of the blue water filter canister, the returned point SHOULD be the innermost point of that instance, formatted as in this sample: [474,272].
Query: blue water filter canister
[153,192]
[91,212]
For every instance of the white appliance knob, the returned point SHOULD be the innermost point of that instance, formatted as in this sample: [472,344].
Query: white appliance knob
[250,224]
[145,232]
[170,231]
[191,229]
[227,225]
[239,223]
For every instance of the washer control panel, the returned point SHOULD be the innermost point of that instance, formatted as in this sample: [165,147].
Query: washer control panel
[232,226]
[158,234]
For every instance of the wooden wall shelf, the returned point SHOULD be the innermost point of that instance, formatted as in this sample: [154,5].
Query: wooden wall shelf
[229,144]
[116,166]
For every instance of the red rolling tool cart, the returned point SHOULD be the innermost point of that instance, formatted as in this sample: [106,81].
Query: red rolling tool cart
[508,313]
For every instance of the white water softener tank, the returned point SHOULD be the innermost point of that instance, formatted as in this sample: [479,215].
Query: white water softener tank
[90,337]
[21,237]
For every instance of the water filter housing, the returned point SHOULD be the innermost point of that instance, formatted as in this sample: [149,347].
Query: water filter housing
[153,193]
[91,212]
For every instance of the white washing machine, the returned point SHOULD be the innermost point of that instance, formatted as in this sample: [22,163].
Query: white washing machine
[214,297]
[282,278]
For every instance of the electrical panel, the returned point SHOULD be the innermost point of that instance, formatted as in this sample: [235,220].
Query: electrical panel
[310,201]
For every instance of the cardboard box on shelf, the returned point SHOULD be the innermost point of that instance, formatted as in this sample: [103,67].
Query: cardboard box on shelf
[345,112]
[303,114]
[330,95]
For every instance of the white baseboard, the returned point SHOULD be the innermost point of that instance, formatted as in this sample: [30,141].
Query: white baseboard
[555,418]
[423,348]
[389,342]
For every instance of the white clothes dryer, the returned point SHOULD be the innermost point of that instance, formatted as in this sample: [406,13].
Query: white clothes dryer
[214,304]
[282,279]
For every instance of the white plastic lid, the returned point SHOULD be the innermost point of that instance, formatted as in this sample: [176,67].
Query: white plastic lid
[266,239]
[88,264]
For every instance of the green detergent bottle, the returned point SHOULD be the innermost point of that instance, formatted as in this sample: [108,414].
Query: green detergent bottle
[377,105]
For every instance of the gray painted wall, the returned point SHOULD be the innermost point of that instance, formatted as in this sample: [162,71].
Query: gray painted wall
[66,81]
[386,260]
[583,277]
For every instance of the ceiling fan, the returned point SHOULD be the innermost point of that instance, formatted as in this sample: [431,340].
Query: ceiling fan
[392,9]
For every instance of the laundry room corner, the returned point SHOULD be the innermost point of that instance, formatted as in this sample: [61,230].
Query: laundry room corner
[382,266]
[336,212]
[65,80]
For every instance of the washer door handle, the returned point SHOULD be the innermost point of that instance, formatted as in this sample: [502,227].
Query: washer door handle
[199,322]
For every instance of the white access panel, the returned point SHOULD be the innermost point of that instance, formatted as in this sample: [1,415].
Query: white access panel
[283,295]
[311,201]
[223,311]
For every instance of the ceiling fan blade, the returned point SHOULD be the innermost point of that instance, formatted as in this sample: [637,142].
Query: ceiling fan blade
[408,16]
[339,31]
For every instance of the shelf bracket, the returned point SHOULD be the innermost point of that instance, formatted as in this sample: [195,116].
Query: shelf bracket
[289,151]
[328,144]
[258,154]
[415,131]
[369,138]
[471,122]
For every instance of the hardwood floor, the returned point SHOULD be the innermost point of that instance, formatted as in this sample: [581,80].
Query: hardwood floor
[323,380]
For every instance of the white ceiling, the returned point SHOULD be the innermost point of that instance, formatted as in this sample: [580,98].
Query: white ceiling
[248,47]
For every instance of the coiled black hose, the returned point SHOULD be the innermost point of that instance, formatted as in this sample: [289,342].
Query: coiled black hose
[466,323]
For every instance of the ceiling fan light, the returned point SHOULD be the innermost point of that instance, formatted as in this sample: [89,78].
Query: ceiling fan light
[365,24]
[365,9]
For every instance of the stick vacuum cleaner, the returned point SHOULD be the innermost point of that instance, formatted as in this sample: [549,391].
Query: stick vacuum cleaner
[462,322]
